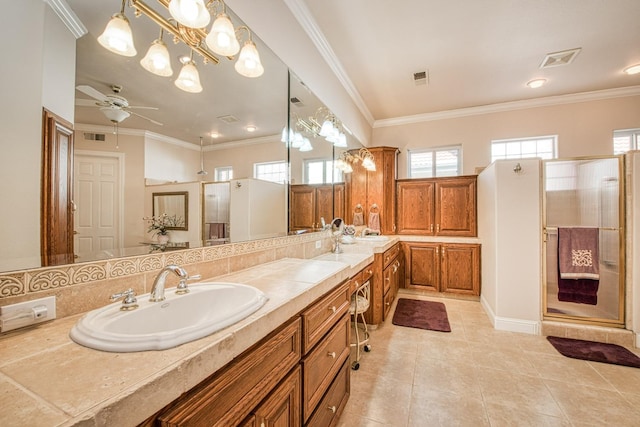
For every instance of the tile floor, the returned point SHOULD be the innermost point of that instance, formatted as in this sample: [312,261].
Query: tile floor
[477,376]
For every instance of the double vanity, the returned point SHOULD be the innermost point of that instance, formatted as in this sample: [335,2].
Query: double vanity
[287,359]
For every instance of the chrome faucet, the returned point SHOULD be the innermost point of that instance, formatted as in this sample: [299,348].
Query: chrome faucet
[157,291]
[337,228]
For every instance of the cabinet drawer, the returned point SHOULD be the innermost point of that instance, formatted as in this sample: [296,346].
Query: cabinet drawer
[321,316]
[390,255]
[322,364]
[331,406]
[388,300]
[355,282]
[228,398]
[367,273]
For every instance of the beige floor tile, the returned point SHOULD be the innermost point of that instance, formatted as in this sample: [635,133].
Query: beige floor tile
[511,359]
[517,391]
[589,406]
[349,419]
[441,408]
[623,378]
[574,371]
[437,374]
[507,416]
[379,398]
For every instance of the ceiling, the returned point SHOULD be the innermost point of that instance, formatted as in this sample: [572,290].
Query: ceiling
[475,52]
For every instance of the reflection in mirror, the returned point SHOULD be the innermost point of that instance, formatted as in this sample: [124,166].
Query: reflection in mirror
[173,206]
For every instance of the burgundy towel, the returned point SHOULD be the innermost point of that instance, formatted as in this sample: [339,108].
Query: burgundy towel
[579,291]
[578,253]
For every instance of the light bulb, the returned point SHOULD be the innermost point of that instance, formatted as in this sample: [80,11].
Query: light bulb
[117,36]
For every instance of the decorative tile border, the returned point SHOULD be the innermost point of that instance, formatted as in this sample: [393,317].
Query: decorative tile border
[42,279]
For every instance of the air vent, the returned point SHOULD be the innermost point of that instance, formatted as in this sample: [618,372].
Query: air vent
[421,78]
[88,136]
[296,101]
[228,118]
[557,59]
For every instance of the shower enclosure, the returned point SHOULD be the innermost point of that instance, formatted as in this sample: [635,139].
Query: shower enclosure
[579,194]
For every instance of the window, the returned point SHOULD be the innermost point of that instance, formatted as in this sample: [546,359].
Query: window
[271,171]
[224,173]
[626,140]
[442,161]
[321,171]
[544,147]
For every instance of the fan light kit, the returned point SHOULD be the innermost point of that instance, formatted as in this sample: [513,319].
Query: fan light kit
[187,24]
[115,107]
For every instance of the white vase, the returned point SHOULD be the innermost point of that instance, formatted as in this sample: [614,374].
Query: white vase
[163,239]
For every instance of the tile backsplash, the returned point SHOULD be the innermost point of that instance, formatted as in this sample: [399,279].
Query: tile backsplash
[83,287]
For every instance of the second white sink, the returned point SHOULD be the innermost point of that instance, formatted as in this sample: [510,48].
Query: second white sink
[207,308]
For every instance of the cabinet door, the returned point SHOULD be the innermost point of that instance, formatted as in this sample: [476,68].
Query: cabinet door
[460,269]
[456,207]
[422,266]
[338,202]
[282,407]
[303,207]
[415,207]
[324,204]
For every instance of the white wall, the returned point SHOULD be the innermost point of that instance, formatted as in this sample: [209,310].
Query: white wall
[168,160]
[583,129]
[243,157]
[509,227]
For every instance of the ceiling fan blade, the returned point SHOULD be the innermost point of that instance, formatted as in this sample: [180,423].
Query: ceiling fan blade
[139,107]
[88,90]
[146,118]
[81,102]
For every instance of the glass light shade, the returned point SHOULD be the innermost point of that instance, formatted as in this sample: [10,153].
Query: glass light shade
[306,145]
[157,59]
[117,36]
[342,141]
[192,13]
[347,168]
[248,63]
[115,114]
[222,37]
[327,128]
[189,80]
[297,140]
[368,164]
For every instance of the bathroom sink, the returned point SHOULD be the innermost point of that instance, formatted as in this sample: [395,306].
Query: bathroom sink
[373,238]
[207,308]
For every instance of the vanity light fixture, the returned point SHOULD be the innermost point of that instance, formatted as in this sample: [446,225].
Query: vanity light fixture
[536,83]
[306,145]
[634,69]
[352,157]
[189,80]
[222,36]
[248,63]
[157,59]
[190,13]
[117,36]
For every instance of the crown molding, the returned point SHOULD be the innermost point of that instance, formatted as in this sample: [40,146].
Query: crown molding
[68,17]
[511,106]
[243,142]
[302,14]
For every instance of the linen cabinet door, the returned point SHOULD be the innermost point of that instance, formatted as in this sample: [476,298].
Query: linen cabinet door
[324,204]
[422,266]
[460,271]
[456,207]
[416,212]
[303,207]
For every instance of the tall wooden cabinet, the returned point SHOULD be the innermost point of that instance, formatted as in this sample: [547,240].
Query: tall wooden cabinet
[443,267]
[437,206]
[366,188]
[309,203]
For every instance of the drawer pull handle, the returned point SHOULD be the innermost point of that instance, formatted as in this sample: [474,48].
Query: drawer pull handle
[332,354]
[388,304]
[332,409]
[333,308]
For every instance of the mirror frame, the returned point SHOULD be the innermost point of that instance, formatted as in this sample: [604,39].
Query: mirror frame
[185,214]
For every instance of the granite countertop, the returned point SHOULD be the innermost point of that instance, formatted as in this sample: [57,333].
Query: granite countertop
[46,379]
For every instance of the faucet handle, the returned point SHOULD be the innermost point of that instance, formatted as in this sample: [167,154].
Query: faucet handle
[129,302]
[182,286]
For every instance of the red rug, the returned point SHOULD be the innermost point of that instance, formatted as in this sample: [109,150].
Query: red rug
[595,351]
[421,314]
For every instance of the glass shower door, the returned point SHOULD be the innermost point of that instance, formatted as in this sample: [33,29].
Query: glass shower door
[582,194]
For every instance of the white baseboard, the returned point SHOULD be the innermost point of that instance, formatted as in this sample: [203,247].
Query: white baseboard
[511,324]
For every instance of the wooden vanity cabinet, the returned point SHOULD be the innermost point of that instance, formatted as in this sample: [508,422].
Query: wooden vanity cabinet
[443,267]
[387,268]
[374,187]
[438,206]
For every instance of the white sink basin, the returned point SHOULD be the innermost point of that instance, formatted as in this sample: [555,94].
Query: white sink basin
[373,238]
[207,308]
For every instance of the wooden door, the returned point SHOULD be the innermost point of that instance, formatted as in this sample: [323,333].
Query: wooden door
[356,192]
[324,204]
[422,266]
[56,229]
[460,269]
[339,210]
[302,202]
[282,407]
[416,214]
[456,207]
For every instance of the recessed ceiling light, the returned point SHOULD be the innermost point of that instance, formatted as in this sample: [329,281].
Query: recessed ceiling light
[533,84]
[215,135]
[251,128]
[634,69]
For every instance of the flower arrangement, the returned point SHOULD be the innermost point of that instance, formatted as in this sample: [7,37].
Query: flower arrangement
[160,225]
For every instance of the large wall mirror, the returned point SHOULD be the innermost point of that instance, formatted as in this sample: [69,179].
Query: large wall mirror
[180,141]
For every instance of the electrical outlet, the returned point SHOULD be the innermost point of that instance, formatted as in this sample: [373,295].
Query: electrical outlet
[27,313]
[318,244]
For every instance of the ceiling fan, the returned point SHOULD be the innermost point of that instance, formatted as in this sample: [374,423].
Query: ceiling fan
[115,107]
